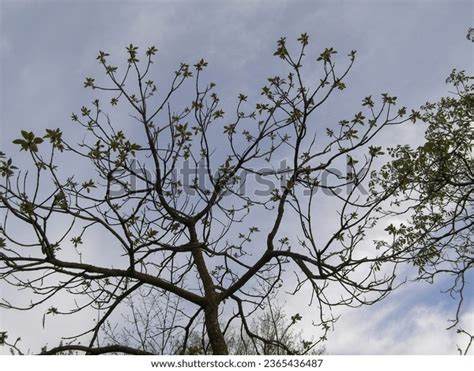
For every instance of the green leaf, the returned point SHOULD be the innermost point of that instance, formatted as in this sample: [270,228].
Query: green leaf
[28,135]
[326,55]
[367,101]
[60,200]
[52,310]
[218,114]
[391,229]
[281,49]
[415,115]
[359,118]
[132,52]
[89,82]
[85,111]
[134,147]
[340,85]
[55,137]
[101,56]
[229,129]
[29,142]
[76,241]
[110,69]
[88,185]
[3,337]
[151,233]
[296,317]
[388,99]
[402,111]
[151,51]
[375,151]
[304,39]
[200,65]
[6,168]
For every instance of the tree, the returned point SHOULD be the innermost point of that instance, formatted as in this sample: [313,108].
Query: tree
[277,335]
[437,186]
[150,320]
[215,250]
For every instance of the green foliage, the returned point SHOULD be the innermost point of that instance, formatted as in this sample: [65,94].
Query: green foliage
[304,39]
[110,69]
[243,98]
[76,241]
[230,129]
[326,55]
[89,185]
[55,137]
[101,57]
[297,317]
[375,151]
[132,52]
[152,50]
[388,99]
[415,115]
[200,65]
[52,310]
[281,48]
[359,118]
[60,200]
[89,82]
[3,337]
[437,180]
[7,168]
[29,142]
[151,233]
[218,114]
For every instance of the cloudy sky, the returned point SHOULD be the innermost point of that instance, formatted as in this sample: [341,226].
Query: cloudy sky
[407,48]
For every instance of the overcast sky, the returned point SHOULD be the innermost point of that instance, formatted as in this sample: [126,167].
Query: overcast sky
[406,48]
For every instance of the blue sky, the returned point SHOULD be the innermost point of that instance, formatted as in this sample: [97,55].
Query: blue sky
[406,48]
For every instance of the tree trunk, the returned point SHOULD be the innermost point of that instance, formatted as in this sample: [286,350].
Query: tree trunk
[216,337]
[211,306]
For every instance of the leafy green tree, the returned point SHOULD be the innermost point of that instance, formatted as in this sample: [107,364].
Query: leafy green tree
[437,189]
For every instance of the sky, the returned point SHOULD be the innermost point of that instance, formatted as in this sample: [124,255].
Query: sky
[406,48]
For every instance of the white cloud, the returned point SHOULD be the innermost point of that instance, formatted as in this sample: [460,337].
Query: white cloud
[396,328]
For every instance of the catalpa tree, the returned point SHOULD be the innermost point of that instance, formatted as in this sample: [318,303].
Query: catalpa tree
[213,249]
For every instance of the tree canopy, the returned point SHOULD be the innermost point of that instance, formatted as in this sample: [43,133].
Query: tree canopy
[212,245]
[437,185]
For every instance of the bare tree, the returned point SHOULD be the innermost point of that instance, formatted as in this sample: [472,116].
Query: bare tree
[148,323]
[278,334]
[213,250]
